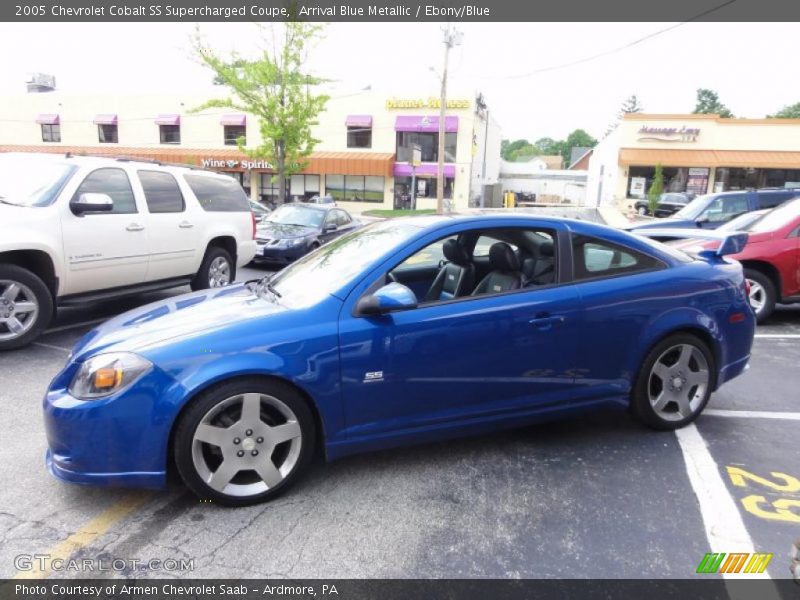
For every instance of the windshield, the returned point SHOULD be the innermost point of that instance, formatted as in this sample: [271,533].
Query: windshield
[297,215]
[776,218]
[695,207]
[324,271]
[31,181]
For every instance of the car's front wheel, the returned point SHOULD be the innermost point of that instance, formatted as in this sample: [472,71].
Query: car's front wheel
[674,382]
[26,307]
[244,441]
[642,210]
[762,294]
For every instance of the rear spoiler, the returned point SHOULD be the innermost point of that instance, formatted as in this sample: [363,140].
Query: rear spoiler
[730,243]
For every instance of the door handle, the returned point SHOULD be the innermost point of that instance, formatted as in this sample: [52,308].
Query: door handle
[185,225]
[134,227]
[545,322]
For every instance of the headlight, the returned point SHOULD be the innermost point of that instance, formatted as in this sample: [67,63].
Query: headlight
[106,374]
[290,243]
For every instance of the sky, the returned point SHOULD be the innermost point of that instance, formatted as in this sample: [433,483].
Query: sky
[753,66]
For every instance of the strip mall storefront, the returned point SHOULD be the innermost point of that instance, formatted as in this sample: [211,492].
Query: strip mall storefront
[698,154]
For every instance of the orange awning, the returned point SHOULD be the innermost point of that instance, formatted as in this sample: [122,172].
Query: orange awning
[319,163]
[756,159]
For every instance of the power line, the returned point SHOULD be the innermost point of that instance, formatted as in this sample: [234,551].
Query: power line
[614,50]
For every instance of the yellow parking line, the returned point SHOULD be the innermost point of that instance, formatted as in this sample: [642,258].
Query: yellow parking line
[89,532]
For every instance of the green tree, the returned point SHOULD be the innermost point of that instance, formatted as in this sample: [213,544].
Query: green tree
[631,104]
[656,189]
[275,89]
[708,104]
[577,139]
[547,145]
[787,112]
[509,149]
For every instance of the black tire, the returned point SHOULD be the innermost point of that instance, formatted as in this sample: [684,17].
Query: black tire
[218,396]
[770,296]
[201,280]
[642,211]
[43,298]
[641,407]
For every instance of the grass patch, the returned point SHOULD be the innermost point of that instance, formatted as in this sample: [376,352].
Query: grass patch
[386,212]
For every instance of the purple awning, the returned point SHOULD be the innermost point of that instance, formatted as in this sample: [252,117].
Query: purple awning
[424,170]
[425,123]
[238,119]
[358,121]
[47,119]
[168,120]
[106,119]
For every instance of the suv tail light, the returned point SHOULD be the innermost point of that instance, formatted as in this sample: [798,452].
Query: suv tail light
[253,219]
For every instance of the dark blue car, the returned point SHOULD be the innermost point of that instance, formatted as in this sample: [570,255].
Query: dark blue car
[293,230]
[405,331]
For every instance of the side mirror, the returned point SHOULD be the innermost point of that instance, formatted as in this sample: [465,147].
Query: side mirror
[391,297]
[91,202]
[699,221]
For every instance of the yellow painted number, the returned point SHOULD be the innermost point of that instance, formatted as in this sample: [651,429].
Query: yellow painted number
[739,478]
[779,510]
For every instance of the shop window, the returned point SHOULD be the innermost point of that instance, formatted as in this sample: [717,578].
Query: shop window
[232,134]
[426,188]
[676,179]
[428,143]
[115,184]
[359,137]
[270,190]
[355,188]
[169,134]
[51,133]
[161,192]
[107,134]
[303,187]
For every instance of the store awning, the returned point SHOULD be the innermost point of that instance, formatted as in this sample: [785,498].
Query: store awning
[238,120]
[168,119]
[424,170]
[755,159]
[47,119]
[358,121]
[420,123]
[351,163]
[105,119]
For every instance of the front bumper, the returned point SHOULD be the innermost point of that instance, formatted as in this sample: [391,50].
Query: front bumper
[121,440]
[279,254]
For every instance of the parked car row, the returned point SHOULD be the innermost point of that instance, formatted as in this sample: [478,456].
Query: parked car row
[668,204]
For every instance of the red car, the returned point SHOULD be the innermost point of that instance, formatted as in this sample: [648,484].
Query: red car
[771,258]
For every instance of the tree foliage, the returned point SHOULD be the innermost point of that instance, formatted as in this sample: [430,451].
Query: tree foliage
[708,103]
[274,88]
[787,112]
[522,150]
[656,189]
[631,104]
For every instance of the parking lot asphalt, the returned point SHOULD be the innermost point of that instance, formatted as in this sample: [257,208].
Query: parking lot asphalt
[592,497]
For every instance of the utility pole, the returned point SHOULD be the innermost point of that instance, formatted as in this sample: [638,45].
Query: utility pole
[452,37]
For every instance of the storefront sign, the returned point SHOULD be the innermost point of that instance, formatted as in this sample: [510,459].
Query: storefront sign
[431,102]
[216,163]
[668,134]
[637,187]
[697,183]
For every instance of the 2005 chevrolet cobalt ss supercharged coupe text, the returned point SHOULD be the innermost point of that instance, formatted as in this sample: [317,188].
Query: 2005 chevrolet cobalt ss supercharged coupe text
[404,331]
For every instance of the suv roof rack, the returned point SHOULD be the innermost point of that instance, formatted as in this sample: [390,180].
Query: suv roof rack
[149,161]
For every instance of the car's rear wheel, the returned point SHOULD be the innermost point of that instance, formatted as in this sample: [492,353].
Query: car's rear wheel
[26,307]
[762,294]
[215,271]
[642,210]
[674,383]
[244,442]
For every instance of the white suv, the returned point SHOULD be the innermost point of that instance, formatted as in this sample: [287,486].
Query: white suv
[77,229]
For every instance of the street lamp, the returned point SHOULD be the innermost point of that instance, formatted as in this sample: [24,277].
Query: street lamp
[452,37]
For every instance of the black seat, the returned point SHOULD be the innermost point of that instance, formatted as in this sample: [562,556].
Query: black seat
[456,277]
[505,274]
[541,269]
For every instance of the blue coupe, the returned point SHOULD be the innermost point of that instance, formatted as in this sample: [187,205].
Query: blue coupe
[405,331]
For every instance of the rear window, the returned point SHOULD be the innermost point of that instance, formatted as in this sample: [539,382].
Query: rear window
[218,194]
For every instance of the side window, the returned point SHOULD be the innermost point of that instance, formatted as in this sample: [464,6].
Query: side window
[773,199]
[161,192]
[115,184]
[330,219]
[218,194]
[430,256]
[595,258]
[484,243]
[342,218]
[725,208]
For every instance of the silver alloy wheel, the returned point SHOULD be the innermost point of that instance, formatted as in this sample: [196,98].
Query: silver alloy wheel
[19,309]
[758,296]
[219,272]
[246,444]
[642,210]
[678,382]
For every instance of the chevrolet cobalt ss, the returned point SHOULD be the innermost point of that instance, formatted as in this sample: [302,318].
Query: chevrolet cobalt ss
[407,330]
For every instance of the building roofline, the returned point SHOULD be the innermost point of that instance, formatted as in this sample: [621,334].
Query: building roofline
[707,117]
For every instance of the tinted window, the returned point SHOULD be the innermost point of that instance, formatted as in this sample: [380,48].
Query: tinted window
[596,258]
[725,208]
[772,199]
[169,134]
[218,194]
[115,184]
[161,192]
[342,218]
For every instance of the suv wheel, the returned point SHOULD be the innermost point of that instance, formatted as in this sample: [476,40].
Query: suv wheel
[215,271]
[25,307]
[762,294]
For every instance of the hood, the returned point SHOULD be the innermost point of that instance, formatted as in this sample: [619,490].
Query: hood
[669,222]
[18,214]
[176,318]
[278,231]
